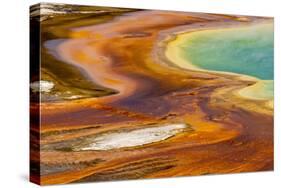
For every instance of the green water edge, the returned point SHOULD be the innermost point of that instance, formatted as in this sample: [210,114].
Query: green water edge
[247,50]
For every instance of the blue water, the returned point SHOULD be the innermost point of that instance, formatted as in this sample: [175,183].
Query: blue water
[247,50]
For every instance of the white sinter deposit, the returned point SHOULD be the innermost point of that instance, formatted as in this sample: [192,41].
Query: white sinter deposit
[133,138]
[42,86]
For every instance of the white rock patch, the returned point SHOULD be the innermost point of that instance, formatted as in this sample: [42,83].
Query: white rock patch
[42,86]
[133,138]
